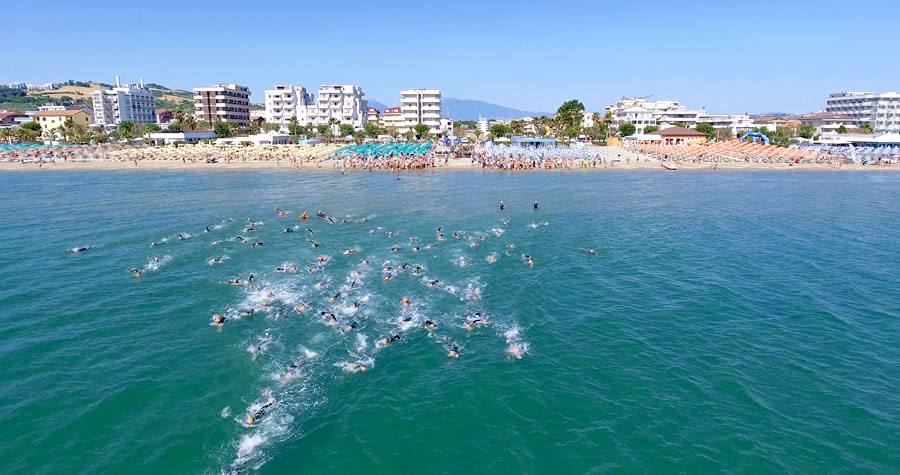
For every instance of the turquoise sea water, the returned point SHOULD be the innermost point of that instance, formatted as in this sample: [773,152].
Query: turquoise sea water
[739,322]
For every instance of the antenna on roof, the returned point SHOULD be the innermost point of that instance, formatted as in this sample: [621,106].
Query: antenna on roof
[117,80]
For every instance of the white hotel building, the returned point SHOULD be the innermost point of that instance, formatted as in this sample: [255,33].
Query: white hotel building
[421,106]
[343,102]
[132,103]
[285,102]
[665,114]
[880,110]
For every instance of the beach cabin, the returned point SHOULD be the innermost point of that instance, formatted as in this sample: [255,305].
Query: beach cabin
[681,136]
[533,142]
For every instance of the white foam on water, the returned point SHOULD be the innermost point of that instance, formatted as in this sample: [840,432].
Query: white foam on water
[516,347]
[498,231]
[472,291]
[491,258]
[154,264]
[217,260]
[226,411]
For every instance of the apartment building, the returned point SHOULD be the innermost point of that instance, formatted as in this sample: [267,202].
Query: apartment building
[133,103]
[228,103]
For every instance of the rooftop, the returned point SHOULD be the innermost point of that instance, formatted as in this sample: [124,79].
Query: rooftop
[680,132]
[64,113]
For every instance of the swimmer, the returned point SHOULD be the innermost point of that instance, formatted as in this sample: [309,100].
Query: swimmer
[291,372]
[259,414]
[240,239]
[234,281]
[430,326]
[335,297]
[388,277]
[388,341]
[535,205]
[528,260]
[137,272]
[212,260]
[180,237]
[250,279]
[257,244]
[515,350]
[590,251]
[287,230]
[322,260]
[350,326]
[416,249]
[365,262]
[417,271]
[304,216]
[215,243]
[81,249]
[354,367]
[247,313]
[218,320]
[433,283]
[501,205]
[394,249]
[153,244]
[477,320]
[320,285]
[313,243]
[456,235]
[492,257]
[453,352]
[300,308]
[405,301]
[440,237]
[350,250]
[206,230]
[264,304]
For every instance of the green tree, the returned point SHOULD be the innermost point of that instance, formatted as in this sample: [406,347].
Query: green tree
[421,130]
[322,129]
[174,127]
[345,129]
[294,127]
[33,126]
[190,122]
[126,129]
[372,130]
[517,127]
[223,129]
[500,130]
[151,128]
[707,129]
[842,129]
[650,129]
[807,131]
[359,136]
[867,128]
[569,114]
[627,129]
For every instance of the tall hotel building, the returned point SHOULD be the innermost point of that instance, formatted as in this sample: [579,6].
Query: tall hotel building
[228,103]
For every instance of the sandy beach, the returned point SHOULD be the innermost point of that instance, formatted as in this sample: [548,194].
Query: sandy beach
[648,164]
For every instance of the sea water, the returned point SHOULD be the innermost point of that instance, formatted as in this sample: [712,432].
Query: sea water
[689,322]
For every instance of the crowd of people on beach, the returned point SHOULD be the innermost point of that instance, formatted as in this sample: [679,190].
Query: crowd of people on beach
[486,156]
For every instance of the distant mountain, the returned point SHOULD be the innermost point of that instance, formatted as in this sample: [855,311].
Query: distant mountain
[470,109]
[378,105]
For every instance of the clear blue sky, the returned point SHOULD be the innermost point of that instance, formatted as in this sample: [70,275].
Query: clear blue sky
[762,56]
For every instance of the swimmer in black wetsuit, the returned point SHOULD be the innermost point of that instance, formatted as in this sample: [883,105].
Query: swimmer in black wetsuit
[261,412]
[388,341]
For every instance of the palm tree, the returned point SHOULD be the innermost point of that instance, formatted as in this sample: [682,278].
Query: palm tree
[190,122]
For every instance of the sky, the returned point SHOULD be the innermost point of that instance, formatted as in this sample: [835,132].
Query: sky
[728,57]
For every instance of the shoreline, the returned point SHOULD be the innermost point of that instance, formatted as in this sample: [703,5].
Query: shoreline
[173,165]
